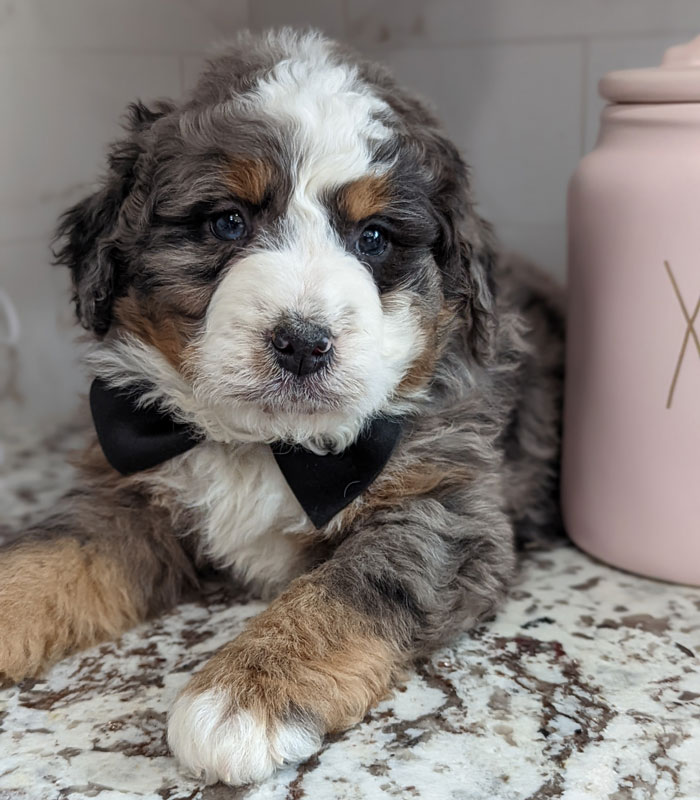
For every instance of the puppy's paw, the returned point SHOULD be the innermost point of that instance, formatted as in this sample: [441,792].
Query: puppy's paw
[305,667]
[211,737]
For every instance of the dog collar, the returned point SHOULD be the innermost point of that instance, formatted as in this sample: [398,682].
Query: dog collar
[134,439]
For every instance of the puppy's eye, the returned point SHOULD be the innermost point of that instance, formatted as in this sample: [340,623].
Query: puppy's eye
[371,242]
[229,226]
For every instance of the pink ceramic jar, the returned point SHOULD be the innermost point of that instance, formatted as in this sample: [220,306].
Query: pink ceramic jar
[631,450]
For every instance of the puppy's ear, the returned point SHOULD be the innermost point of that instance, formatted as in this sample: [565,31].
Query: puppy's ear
[465,249]
[86,238]
[86,250]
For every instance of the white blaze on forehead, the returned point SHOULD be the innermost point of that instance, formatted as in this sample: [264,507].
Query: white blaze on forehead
[331,116]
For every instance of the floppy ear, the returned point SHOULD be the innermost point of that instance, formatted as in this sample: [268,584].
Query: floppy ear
[86,236]
[465,250]
[476,262]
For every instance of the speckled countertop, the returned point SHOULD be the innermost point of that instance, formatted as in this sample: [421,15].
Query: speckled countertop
[586,685]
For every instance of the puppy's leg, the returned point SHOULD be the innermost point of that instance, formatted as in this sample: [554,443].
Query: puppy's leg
[103,562]
[332,645]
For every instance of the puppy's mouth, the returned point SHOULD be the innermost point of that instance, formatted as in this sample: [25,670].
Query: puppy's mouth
[293,367]
[299,394]
[277,391]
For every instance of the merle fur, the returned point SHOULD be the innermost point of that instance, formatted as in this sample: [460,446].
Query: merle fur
[428,566]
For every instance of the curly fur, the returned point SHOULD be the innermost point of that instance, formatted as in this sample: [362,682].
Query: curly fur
[309,145]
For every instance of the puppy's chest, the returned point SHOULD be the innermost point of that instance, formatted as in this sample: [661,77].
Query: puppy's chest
[249,519]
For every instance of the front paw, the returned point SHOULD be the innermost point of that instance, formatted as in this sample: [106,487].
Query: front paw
[216,739]
[305,667]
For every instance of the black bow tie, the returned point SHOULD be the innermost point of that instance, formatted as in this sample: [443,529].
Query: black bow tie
[134,439]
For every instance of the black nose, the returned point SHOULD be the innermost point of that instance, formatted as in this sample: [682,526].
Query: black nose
[301,348]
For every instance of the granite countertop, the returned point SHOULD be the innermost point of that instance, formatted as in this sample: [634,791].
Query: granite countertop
[585,685]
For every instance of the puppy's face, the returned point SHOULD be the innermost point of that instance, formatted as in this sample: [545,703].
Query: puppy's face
[293,243]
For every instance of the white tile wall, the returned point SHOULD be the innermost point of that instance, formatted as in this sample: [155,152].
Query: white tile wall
[125,26]
[467,21]
[50,380]
[57,141]
[522,143]
[514,80]
[609,54]
[329,15]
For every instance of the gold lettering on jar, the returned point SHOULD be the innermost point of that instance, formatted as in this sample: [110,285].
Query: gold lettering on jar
[690,332]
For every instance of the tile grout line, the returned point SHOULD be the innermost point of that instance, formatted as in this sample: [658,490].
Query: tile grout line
[345,14]
[181,74]
[399,44]
[585,77]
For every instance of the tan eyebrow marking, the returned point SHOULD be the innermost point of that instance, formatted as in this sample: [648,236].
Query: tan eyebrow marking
[249,179]
[364,197]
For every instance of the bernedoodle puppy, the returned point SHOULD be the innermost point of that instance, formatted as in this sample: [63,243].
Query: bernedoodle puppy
[313,372]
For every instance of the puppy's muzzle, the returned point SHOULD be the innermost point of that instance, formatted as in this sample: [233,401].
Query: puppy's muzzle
[301,347]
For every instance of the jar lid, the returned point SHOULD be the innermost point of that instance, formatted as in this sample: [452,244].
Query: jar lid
[677,80]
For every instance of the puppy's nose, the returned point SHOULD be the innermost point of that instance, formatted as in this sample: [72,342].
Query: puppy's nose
[303,348]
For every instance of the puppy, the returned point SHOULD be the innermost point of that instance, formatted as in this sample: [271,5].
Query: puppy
[312,373]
